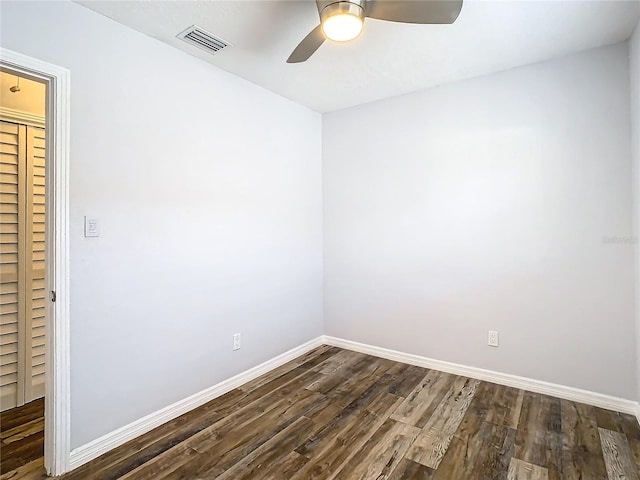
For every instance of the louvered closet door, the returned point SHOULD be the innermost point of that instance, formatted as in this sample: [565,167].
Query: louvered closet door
[22,251]
[35,252]
[12,196]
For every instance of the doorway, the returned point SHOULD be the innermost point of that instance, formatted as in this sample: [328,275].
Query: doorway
[35,269]
[23,296]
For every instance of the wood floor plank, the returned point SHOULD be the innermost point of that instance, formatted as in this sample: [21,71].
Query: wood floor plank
[409,376]
[368,367]
[631,428]
[617,456]
[338,362]
[22,451]
[329,422]
[431,445]
[217,456]
[506,406]
[22,431]
[331,456]
[538,440]
[494,452]
[409,470]
[419,405]
[356,393]
[581,450]
[477,412]
[22,440]
[484,454]
[326,352]
[21,415]
[34,470]
[457,462]
[257,463]
[342,380]
[382,452]
[466,447]
[285,467]
[608,419]
[520,470]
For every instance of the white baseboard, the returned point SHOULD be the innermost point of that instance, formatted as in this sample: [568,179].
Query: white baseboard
[99,446]
[538,386]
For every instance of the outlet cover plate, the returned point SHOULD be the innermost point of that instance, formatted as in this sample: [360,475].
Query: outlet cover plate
[493,338]
[91,227]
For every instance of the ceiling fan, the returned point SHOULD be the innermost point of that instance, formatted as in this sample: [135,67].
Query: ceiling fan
[343,20]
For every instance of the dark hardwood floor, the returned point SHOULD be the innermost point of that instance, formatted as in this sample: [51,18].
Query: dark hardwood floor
[336,414]
[21,436]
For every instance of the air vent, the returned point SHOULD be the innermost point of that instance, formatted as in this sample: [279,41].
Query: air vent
[202,39]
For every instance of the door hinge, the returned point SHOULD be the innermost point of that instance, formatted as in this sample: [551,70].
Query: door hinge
[53,295]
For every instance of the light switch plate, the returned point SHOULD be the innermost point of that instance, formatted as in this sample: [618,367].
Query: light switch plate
[91,227]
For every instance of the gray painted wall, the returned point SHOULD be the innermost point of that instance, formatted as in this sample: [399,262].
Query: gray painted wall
[634,62]
[486,205]
[208,189]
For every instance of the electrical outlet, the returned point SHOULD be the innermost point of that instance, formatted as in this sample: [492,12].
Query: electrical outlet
[91,227]
[236,341]
[493,338]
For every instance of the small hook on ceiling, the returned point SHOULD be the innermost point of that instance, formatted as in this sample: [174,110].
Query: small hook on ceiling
[16,87]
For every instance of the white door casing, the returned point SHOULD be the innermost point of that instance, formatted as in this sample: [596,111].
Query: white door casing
[57,372]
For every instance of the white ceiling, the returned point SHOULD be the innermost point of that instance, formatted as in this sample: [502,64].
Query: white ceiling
[388,58]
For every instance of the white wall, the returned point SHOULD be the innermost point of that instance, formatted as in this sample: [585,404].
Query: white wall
[208,189]
[483,205]
[634,62]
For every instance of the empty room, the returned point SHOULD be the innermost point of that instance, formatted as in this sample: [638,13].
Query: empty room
[298,239]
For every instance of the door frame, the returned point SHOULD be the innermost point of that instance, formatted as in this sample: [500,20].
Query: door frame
[57,432]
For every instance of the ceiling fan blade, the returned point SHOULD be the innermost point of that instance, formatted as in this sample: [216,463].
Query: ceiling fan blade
[307,46]
[414,11]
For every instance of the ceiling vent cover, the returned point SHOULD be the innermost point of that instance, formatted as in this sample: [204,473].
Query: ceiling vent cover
[203,39]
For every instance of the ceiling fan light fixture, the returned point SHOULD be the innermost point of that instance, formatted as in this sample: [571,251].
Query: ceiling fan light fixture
[342,21]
